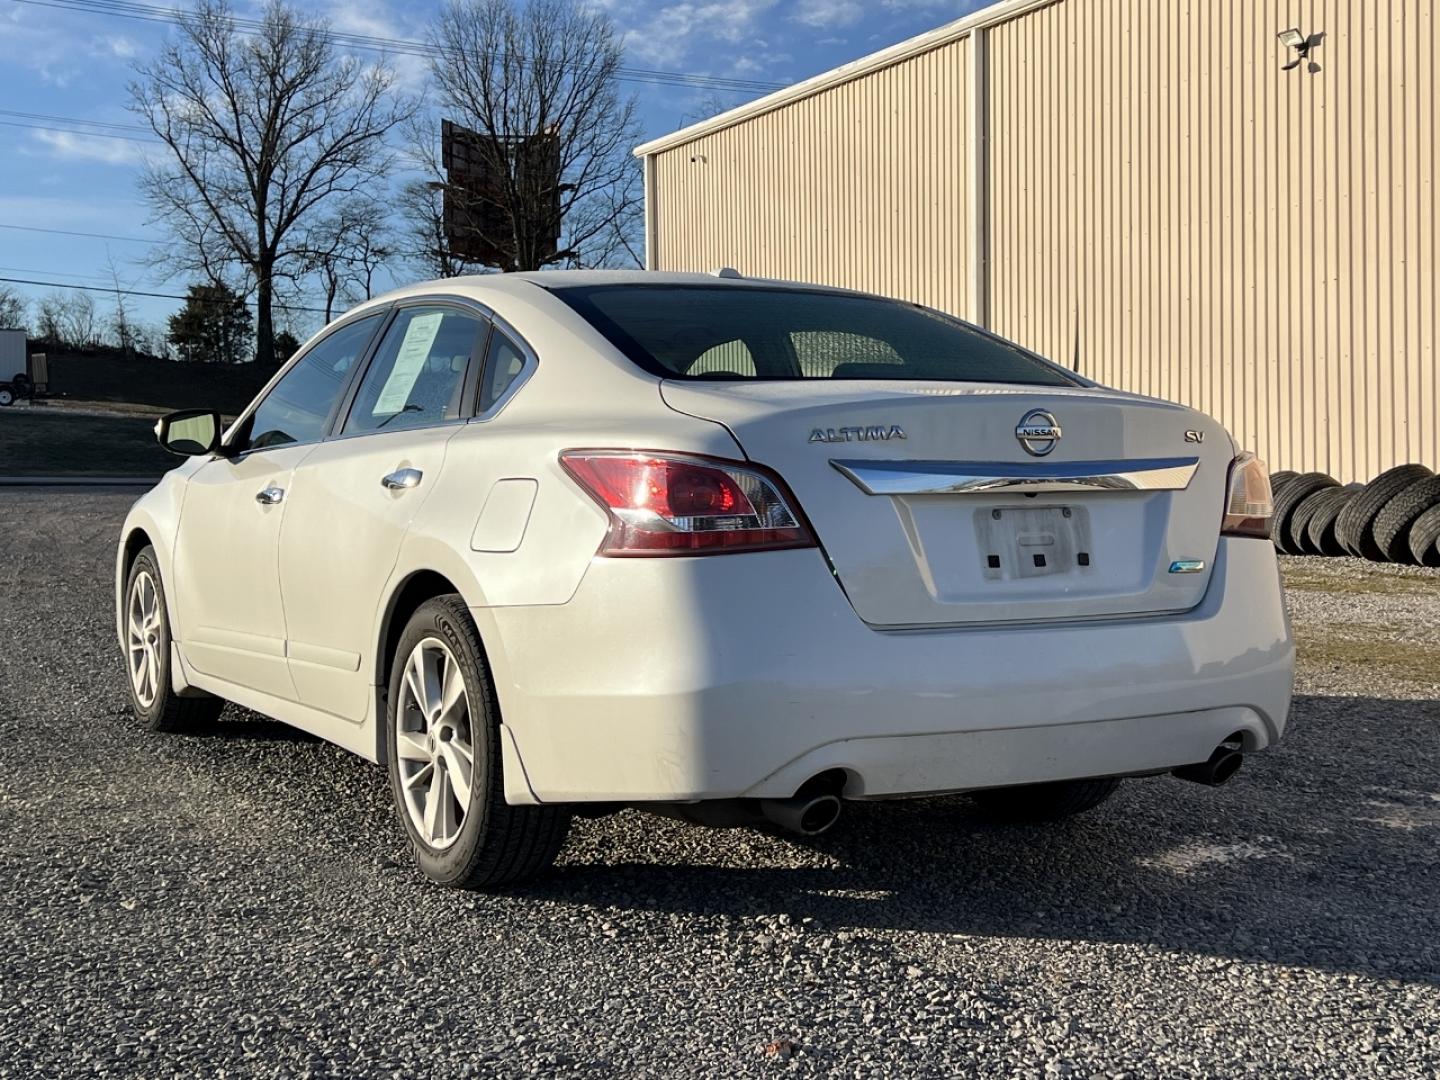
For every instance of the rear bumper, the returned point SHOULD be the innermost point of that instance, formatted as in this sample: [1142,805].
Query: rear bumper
[688,679]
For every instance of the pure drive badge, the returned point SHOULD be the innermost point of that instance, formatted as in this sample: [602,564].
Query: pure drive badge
[876,433]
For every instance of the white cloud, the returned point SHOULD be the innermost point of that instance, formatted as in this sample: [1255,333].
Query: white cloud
[373,19]
[115,45]
[70,146]
[672,35]
[828,14]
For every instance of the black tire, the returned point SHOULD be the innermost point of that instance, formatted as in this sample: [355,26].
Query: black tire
[21,385]
[1320,535]
[1288,501]
[1279,479]
[1425,538]
[497,844]
[1045,802]
[7,396]
[1392,525]
[1358,518]
[1298,535]
[166,710]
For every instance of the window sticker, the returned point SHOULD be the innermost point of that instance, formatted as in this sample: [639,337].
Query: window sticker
[409,361]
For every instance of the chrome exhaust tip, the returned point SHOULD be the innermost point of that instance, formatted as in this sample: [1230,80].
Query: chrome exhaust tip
[804,815]
[1222,764]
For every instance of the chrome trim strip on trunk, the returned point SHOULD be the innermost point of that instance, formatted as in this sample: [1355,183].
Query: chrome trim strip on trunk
[983,477]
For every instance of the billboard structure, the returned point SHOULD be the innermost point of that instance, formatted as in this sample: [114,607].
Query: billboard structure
[501,197]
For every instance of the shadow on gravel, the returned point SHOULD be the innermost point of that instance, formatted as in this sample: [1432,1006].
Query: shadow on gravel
[1323,853]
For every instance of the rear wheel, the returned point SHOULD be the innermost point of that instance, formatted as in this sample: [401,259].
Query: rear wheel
[7,396]
[443,732]
[147,655]
[1045,802]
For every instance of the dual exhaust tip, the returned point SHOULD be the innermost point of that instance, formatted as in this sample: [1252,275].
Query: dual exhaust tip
[812,814]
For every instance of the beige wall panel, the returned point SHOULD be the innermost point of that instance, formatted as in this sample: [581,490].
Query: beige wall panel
[862,185]
[1196,223]
[1169,208]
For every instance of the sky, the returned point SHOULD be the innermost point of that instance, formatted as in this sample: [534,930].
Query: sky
[64,73]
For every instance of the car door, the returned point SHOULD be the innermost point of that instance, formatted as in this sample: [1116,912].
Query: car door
[356,494]
[226,565]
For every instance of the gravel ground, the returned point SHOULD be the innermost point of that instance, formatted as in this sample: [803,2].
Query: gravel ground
[240,902]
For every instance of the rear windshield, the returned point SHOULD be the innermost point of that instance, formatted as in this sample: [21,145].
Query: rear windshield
[746,332]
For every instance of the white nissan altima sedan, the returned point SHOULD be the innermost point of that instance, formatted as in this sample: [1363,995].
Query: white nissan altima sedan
[730,550]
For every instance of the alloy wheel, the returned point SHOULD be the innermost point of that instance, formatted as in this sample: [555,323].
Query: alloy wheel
[434,744]
[143,638]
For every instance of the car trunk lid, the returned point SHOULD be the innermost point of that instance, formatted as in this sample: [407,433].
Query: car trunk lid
[933,512]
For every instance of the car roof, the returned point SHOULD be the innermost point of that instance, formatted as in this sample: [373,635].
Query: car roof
[479,285]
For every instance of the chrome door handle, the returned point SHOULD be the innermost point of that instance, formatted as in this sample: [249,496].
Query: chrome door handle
[269,496]
[401,479]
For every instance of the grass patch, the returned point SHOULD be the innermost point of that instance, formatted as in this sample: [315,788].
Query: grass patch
[1369,648]
[1306,575]
[40,444]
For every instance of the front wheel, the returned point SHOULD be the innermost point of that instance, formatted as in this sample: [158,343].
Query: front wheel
[7,396]
[443,736]
[147,655]
[1045,802]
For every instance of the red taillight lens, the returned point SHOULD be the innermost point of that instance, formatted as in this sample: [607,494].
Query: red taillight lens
[671,504]
[1249,504]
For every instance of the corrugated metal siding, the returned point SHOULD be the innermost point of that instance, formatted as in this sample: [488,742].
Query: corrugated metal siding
[1166,203]
[863,186]
[1204,226]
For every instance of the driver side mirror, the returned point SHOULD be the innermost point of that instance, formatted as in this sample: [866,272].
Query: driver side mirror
[188,433]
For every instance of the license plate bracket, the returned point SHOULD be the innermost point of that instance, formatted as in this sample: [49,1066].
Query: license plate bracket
[1033,541]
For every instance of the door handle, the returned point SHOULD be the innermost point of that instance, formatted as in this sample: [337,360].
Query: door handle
[401,479]
[270,496]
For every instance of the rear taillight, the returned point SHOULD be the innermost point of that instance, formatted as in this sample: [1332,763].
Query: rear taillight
[1249,505]
[673,504]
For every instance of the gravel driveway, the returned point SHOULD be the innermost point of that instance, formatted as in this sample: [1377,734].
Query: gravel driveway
[241,903]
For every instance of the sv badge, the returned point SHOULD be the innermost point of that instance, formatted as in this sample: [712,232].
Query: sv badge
[1194,436]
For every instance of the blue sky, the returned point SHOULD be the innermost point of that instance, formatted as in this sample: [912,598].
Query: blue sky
[76,64]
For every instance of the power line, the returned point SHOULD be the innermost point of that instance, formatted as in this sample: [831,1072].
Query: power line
[87,235]
[127,291]
[76,131]
[151,13]
[73,120]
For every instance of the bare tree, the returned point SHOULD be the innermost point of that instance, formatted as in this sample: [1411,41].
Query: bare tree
[12,309]
[345,250]
[421,204]
[78,328]
[537,83]
[263,133]
[121,324]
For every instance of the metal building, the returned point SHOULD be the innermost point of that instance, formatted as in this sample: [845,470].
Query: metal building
[1160,192]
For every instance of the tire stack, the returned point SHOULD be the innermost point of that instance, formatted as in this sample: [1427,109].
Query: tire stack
[1393,518]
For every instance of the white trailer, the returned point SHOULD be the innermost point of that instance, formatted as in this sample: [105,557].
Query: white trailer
[16,379]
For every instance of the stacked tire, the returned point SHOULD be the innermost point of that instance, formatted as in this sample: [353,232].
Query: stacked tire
[1393,518]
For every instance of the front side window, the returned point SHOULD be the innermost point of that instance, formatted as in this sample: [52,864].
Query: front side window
[298,407]
[418,375]
[690,332]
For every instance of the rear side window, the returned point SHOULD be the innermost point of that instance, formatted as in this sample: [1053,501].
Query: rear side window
[503,365]
[690,332]
[418,375]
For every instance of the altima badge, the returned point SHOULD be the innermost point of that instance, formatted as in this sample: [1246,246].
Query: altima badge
[1038,432]
[878,433]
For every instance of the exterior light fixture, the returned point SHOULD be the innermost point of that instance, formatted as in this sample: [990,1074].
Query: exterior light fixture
[1294,39]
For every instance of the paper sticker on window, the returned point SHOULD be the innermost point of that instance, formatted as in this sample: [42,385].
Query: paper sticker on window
[409,362]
